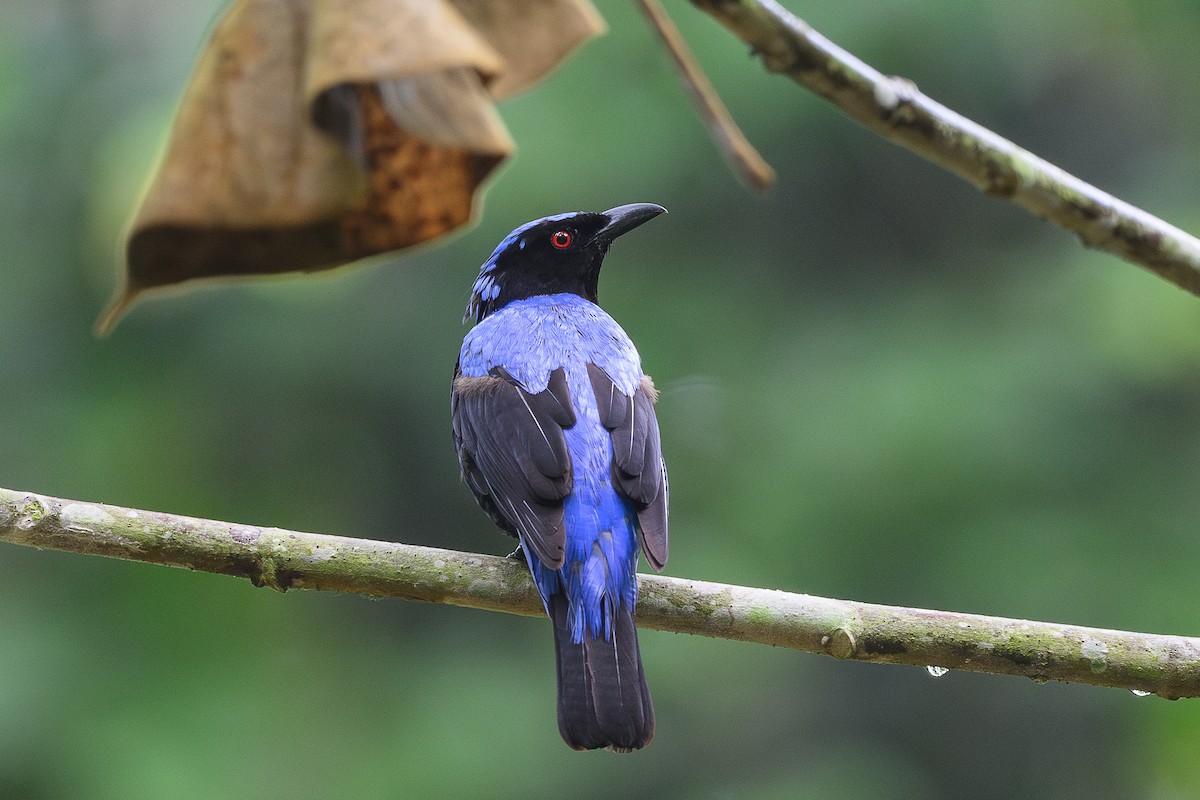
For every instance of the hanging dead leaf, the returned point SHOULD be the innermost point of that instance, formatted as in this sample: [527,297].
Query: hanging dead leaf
[418,189]
[531,36]
[316,132]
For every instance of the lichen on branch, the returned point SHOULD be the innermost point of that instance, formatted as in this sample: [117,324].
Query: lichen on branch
[895,109]
[1165,665]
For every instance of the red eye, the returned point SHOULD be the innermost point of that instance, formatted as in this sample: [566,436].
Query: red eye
[562,239]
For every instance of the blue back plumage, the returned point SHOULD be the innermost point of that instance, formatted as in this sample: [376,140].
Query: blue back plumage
[531,338]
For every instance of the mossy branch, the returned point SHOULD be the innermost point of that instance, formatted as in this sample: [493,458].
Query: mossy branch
[1165,665]
[897,111]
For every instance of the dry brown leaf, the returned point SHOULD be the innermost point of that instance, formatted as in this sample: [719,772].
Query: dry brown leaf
[418,190]
[532,36]
[316,132]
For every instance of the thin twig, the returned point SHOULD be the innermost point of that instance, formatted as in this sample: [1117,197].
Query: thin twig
[895,109]
[1166,665]
[747,164]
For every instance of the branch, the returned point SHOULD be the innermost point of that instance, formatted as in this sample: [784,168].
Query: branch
[1168,666]
[747,164]
[897,111]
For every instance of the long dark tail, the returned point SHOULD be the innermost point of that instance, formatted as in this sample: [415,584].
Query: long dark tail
[603,700]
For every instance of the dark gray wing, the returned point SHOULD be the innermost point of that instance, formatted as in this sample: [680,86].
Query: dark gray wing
[638,469]
[513,455]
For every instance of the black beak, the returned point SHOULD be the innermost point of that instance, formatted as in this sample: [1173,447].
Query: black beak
[623,219]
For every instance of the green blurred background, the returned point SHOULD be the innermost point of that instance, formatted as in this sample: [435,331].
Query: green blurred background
[877,384]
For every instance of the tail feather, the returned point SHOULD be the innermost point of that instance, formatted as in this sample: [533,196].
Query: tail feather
[603,700]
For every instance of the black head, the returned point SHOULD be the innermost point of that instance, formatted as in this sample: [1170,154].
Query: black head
[553,255]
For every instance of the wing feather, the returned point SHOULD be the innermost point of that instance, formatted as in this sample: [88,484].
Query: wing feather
[513,455]
[638,469]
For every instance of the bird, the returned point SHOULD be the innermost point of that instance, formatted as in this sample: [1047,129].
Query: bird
[557,438]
